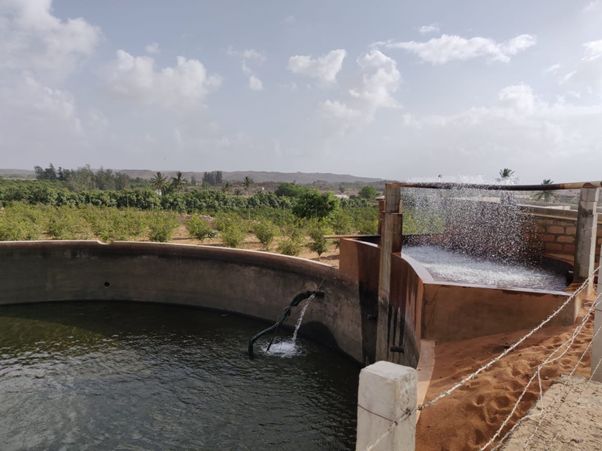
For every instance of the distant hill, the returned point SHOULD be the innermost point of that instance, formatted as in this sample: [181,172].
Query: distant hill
[17,173]
[303,178]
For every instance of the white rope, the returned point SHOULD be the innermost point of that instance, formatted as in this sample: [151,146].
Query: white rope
[503,354]
[549,359]
[564,396]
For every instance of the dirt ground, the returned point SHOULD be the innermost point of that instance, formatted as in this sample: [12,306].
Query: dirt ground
[467,419]
[569,417]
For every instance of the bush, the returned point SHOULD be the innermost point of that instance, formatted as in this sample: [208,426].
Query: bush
[313,204]
[265,232]
[15,229]
[111,224]
[232,235]
[318,242]
[161,226]
[289,246]
[199,228]
[341,222]
[68,223]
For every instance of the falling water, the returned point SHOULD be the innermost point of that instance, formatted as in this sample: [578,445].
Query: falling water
[288,348]
[468,235]
[300,320]
[484,224]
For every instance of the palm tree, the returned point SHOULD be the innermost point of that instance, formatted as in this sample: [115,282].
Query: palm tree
[545,196]
[506,174]
[159,182]
[177,182]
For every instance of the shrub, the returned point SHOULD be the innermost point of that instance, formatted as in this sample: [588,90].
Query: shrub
[111,224]
[15,229]
[318,242]
[161,226]
[265,232]
[341,222]
[289,246]
[67,223]
[199,228]
[313,204]
[233,235]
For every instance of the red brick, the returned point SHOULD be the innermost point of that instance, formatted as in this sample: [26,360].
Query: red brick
[548,238]
[571,230]
[553,246]
[556,229]
[569,248]
[565,239]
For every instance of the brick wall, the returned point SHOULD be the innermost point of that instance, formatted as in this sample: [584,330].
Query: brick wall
[556,233]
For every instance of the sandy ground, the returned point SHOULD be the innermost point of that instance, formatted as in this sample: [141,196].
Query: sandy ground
[331,257]
[569,417]
[467,419]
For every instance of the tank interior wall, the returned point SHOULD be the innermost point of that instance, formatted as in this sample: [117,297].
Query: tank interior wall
[455,312]
[251,283]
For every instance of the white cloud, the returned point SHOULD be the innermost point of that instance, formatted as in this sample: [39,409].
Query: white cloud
[186,84]
[456,48]
[586,76]
[153,48]
[255,84]
[249,58]
[427,29]
[593,50]
[380,80]
[33,39]
[324,68]
[519,97]
[521,128]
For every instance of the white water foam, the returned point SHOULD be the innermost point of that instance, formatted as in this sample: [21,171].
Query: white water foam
[289,348]
[447,265]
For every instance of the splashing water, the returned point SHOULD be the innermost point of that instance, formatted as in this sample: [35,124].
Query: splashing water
[289,348]
[485,224]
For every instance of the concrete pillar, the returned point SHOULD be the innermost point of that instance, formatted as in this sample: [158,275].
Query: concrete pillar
[585,250]
[390,241]
[597,339]
[597,344]
[386,408]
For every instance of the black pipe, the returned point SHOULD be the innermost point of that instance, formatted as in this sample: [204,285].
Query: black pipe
[287,312]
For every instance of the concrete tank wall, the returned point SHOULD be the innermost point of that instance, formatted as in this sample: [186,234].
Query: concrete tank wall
[252,283]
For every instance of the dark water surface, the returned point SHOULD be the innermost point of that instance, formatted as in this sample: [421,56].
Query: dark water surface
[99,375]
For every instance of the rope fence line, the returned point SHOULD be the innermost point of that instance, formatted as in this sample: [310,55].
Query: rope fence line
[544,412]
[550,359]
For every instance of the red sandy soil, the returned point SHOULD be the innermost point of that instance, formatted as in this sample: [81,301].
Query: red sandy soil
[469,417]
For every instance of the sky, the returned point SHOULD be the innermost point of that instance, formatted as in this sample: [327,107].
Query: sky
[391,89]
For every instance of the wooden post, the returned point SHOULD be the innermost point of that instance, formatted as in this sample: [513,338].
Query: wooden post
[585,249]
[390,241]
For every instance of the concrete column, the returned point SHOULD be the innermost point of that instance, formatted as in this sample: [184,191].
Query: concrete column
[597,344]
[390,241]
[597,339]
[386,408]
[585,250]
